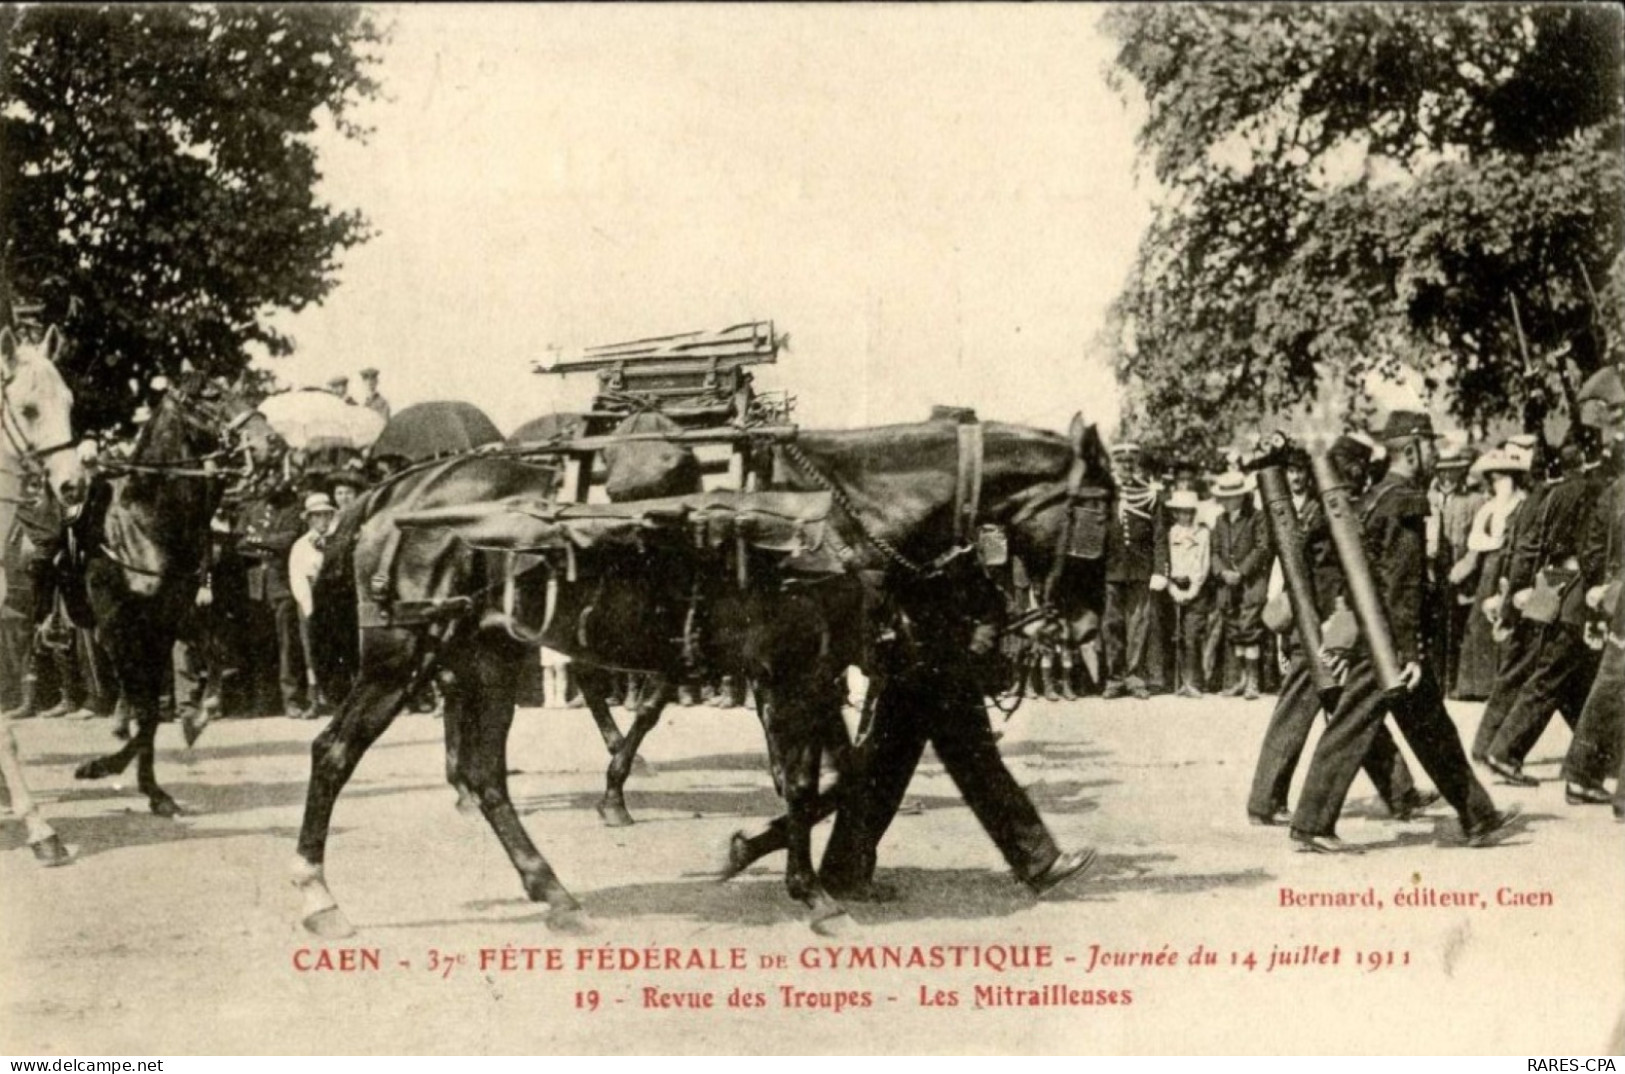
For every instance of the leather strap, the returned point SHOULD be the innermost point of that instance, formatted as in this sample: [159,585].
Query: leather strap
[968,490]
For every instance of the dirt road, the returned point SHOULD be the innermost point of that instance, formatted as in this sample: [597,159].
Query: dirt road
[180,936]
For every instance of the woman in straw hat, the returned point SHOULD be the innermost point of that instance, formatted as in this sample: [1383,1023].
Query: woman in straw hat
[1477,573]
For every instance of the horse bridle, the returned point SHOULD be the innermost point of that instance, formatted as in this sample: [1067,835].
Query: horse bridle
[967,518]
[203,467]
[30,455]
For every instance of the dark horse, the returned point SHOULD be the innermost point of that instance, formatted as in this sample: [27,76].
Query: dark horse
[145,534]
[427,601]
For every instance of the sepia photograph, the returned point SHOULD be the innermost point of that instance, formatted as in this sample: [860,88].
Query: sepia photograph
[788,529]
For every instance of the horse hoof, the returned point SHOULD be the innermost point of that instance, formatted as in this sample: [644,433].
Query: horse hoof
[568,921]
[329,924]
[51,852]
[614,815]
[834,925]
[165,807]
[92,770]
[640,767]
[739,857]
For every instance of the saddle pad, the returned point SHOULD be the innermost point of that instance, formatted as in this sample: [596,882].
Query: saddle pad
[791,524]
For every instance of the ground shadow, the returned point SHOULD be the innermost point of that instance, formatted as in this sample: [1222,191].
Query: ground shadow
[758,899]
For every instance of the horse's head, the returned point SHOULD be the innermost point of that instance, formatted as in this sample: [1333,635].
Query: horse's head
[199,419]
[1054,498]
[36,409]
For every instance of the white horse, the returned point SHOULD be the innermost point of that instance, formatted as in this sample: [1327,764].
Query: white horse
[36,442]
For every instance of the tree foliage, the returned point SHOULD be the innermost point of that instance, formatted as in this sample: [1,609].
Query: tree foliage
[1351,189]
[158,173]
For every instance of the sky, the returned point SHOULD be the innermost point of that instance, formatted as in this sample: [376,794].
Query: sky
[936,203]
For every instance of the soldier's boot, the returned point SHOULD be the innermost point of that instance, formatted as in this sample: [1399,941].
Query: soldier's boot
[28,705]
[1239,687]
[1067,693]
[1048,671]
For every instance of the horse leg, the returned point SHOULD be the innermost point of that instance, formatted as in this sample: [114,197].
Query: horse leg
[597,686]
[384,680]
[651,704]
[796,711]
[491,667]
[454,718]
[747,848]
[42,838]
[122,635]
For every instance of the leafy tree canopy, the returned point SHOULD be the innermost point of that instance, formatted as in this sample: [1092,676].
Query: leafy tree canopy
[1355,189]
[158,179]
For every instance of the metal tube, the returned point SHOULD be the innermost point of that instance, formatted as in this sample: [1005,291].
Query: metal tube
[1362,589]
[1288,533]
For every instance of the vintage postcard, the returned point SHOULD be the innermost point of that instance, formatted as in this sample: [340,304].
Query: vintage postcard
[505,263]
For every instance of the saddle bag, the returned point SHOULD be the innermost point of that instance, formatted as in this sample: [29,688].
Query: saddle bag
[1551,588]
[1090,523]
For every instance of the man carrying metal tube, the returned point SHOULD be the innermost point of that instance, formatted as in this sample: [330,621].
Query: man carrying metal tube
[1390,673]
[1307,686]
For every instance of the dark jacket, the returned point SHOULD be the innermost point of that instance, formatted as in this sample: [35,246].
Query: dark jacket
[1131,544]
[1556,533]
[1242,544]
[266,532]
[1394,528]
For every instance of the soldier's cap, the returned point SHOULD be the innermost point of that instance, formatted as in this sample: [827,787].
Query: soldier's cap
[1125,448]
[318,502]
[369,373]
[1605,385]
[1232,483]
[1183,500]
[340,381]
[1349,451]
[1406,423]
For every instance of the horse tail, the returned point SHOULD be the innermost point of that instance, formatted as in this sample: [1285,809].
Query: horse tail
[335,621]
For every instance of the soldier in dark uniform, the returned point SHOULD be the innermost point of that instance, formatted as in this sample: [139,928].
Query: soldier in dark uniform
[1242,554]
[1299,701]
[1130,558]
[1394,520]
[1548,581]
[936,697]
[1595,751]
[268,528]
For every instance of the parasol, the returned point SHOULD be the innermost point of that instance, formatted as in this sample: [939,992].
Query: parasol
[440,428]
[311,416]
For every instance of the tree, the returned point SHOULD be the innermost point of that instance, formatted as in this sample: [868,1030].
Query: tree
[158,175]
[1353,189]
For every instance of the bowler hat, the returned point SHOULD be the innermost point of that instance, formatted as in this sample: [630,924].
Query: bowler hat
[1456,457]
